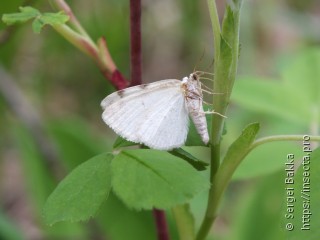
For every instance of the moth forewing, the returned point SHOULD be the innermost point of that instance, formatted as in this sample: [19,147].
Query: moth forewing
[152,114]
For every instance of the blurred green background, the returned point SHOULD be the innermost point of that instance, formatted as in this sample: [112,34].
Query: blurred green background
[61,90]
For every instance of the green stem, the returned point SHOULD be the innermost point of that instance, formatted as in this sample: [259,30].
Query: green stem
[215,148]
[215,28]
[81,42]
[215,133]
[62,5]
[184,221]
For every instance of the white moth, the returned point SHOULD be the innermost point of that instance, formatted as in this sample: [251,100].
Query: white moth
[157,114]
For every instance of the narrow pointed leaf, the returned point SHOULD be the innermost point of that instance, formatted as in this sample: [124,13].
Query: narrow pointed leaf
[193,161]
[239,148]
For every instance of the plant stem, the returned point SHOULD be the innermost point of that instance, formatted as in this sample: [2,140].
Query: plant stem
[215,149]
[161,224]
[215,133]
[215,28]
[79,41]
[184,221]
[135,42]
[62,5]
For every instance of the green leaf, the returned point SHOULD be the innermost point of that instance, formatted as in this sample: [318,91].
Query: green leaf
[224,69]
[306,194]
[113,215]
[185,221]
[26,13]
[40,20]
[79,196]
[230,36]
[228,26]
[145,178]
[193,161]
[50,19]
[239,148]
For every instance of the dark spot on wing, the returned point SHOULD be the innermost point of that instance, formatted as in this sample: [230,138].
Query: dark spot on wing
[121,93]
[143,86]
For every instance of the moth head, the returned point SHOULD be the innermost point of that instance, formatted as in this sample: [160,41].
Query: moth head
[184,80]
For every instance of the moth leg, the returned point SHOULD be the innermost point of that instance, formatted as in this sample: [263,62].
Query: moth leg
[202,90]
[207,79]
[207,103]
[213,112]
[209,112]
[206,87]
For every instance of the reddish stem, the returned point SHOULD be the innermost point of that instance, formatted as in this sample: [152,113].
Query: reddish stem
[118,80]
[161,224]
[136,70]
[135,42]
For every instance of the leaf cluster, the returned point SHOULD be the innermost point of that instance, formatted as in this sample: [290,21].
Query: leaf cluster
[39,19]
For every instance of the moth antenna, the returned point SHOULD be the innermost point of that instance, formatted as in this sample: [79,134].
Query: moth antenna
[200,59]
[203,72]
[211,64]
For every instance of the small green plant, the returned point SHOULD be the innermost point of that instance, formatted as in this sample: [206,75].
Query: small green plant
[148,179]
